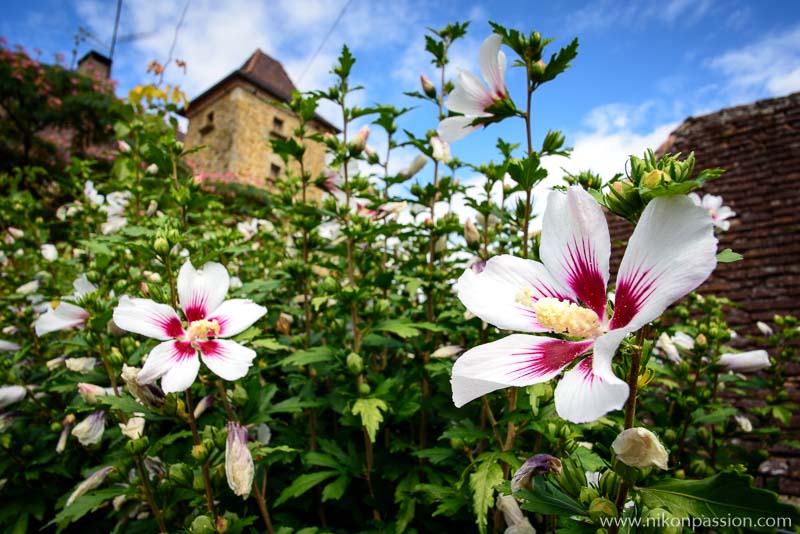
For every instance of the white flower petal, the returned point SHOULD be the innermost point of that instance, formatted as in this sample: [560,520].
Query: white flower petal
[202,290]
[148,318]
[8,346]
[582,396]
[491,67]
[83,286]
[226,359]
[671,252]
[746,362]
[236,315]
[11,395]
[454,128]
[516,360]
[576,246]
[470,97]
[62,317]
[493,293]
[175,362]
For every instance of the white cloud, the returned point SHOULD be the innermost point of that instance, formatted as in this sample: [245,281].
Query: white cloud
[771,66]
[604,14]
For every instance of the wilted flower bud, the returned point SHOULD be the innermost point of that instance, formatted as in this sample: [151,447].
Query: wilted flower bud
[30,287]
[441,244]
[81,365]
[359,141]
[67,423]
[11,395]
[471,232]
[133,428]
[239,468]
[94,480]
[204,404]
[764,328]
[152,169]
[743,423]
[701,340]
[90,392]
[6,419]
[441,149]
[152,207]
[638,447]
[538,464]
[263,434]
[655,178]
[15,232]
[123,147]
[447,351]
[427,86]
[148,394]
[416,165]
[746,362]
[90,430]
[49,252]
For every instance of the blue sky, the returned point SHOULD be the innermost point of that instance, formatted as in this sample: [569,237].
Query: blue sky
[642,68]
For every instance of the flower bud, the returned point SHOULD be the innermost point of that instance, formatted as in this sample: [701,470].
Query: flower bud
[743,423]
[355,364]
[764,328]
[239,468]
[199,452]
[161,245]
[133,428]
[539,464]
[204,404]
[181,474]
[746,362]
[638,447]
[701,340]
[11,395]
[81,365]
[152,169]
[655,178]
[427,86]
[441,150]
[203,525]
[263,434]
[49,252]
[515,520]
[416,165]
[471,232]
[90,430]
[148,394]
[284,323]
[359,141]
[94,480]
[90,392]
[138,445]
[447,351]
[30,287]
[602,508]
[123,147]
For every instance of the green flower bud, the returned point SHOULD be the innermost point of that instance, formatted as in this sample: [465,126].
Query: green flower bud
[609,483]
[355,364]
[199,452]
[161,246]
[602,508]
[239,396]
[364,389]
[655,178]
[137,446]
[181,474]
[658,520]
[589,495]
[203,525]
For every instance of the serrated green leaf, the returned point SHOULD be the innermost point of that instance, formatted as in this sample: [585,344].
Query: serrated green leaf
[302,484]
[85,504]
[335,490]
[269,344]
[435,455]
[291,405]
[125,403]
[370,412]
[482,482]
[726,494]
[306,357]
[546,498]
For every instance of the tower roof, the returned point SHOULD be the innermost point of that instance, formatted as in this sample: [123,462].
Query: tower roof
[262,71]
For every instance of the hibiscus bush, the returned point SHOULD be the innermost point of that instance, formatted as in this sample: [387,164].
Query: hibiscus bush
[182,355]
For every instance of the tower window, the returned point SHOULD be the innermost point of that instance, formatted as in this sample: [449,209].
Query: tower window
[210,117]
[277,124]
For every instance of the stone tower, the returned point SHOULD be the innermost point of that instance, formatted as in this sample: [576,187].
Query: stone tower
[236,117]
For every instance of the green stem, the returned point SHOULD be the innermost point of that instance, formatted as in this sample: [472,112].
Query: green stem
[196,439]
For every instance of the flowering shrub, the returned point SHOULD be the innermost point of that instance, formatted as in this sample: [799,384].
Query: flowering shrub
[334,395]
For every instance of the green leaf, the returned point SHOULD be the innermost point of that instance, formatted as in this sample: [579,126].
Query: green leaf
[85,504]
[335,489]
[482,482]
[726,494]
[269,344]
[699,417]
[302,484]
[546,498]
[405,328]
[370,412]
[728,256]
[435,455]
[125,403]
[291,405]
[306,357]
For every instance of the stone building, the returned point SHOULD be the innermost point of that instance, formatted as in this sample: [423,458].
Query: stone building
[237,116]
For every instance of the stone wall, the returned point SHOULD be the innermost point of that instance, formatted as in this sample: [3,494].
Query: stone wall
[236,136]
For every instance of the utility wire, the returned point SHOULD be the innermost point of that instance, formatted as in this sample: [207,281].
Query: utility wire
[174,41]
[324,40]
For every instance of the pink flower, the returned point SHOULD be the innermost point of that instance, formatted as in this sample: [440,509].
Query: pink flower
[719,213]
[671,252]
[472,97]
[210,320]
